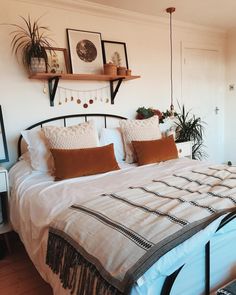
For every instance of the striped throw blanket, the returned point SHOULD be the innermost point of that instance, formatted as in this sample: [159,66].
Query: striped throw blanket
[106,244]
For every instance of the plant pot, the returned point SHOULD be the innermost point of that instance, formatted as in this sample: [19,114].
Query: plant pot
[121,71]
[110,69]
[128,72]
[38,65]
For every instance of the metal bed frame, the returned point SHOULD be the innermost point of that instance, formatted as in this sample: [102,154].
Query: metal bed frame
[170,280]
[64,119]
[168,284]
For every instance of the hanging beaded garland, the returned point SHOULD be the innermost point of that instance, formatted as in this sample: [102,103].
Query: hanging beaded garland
[71,96]
[59,97]
[83,97]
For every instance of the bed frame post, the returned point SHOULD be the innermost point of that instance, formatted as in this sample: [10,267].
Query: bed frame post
[169,282]
[207,269]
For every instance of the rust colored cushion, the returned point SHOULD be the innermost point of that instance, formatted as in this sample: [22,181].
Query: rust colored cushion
[154,151]
[71,163]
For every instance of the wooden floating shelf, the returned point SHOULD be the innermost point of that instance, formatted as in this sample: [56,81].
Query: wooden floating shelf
[88,77]
[53,80]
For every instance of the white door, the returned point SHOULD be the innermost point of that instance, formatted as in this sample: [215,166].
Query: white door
[202,93]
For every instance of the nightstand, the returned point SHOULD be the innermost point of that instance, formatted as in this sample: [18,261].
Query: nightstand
[184,149]
[5,226]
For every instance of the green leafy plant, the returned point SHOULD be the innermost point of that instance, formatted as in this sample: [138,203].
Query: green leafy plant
[145,113]
[190,128]
[29,41]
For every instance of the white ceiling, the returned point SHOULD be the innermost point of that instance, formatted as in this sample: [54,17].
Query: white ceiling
[220,14]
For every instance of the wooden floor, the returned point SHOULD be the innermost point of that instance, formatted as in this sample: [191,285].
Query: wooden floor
[18,275]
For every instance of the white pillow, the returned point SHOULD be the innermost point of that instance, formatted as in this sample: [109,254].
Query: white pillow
[147,129]
[113,135]
[79,136]
[167,126]
[40,155]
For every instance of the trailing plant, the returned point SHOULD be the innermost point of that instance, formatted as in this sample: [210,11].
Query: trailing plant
[145,113]
[29,41]
[190,128]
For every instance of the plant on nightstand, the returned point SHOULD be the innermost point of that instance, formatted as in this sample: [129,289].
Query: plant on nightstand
[29,41]
[190,128]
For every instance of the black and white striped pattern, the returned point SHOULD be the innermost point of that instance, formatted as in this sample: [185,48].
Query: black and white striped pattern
[172,218]
[193,203]
[129,233]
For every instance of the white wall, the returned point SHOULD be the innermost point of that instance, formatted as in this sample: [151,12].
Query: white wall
[230,101]
[23,100]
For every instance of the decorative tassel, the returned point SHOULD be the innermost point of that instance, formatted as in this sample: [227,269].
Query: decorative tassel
[75,272]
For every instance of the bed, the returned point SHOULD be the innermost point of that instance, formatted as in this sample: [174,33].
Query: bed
[198,265]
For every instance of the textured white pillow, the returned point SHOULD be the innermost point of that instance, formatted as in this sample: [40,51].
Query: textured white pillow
[40,156]
[147,129]
[83,135]
[113,135]
[39,146]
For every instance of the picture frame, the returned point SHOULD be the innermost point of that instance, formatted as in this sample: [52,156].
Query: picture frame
[3,143]
[115,52]
[85,51]
[58,61]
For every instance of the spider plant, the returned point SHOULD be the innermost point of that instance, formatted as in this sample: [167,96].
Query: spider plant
[190,128]
[29,41]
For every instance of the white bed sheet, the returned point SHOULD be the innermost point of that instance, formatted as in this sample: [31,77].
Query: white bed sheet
[36,199]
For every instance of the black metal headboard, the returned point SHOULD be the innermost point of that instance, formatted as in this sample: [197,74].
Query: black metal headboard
[64,119]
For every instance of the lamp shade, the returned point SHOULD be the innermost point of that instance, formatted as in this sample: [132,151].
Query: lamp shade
[3,143]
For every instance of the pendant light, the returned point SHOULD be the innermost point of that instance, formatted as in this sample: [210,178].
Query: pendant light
[170,10]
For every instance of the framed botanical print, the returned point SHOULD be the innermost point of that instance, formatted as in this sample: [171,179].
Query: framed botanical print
[85,52]
[58,61]
[3,143]
[115,52]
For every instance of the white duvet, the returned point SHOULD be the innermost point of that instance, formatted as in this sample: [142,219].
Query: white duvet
[36,199]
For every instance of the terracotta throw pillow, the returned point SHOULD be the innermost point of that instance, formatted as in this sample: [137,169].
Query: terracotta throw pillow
[155,151]
[147,129]
[71,163]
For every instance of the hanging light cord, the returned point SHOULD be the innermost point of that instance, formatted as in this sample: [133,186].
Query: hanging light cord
[171,65]
[170,10]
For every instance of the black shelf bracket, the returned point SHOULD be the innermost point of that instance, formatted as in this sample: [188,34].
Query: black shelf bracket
[52,87]
[114,91]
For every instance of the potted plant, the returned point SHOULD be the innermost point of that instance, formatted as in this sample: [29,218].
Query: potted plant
[145,113]
[30,41]
[190,128]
